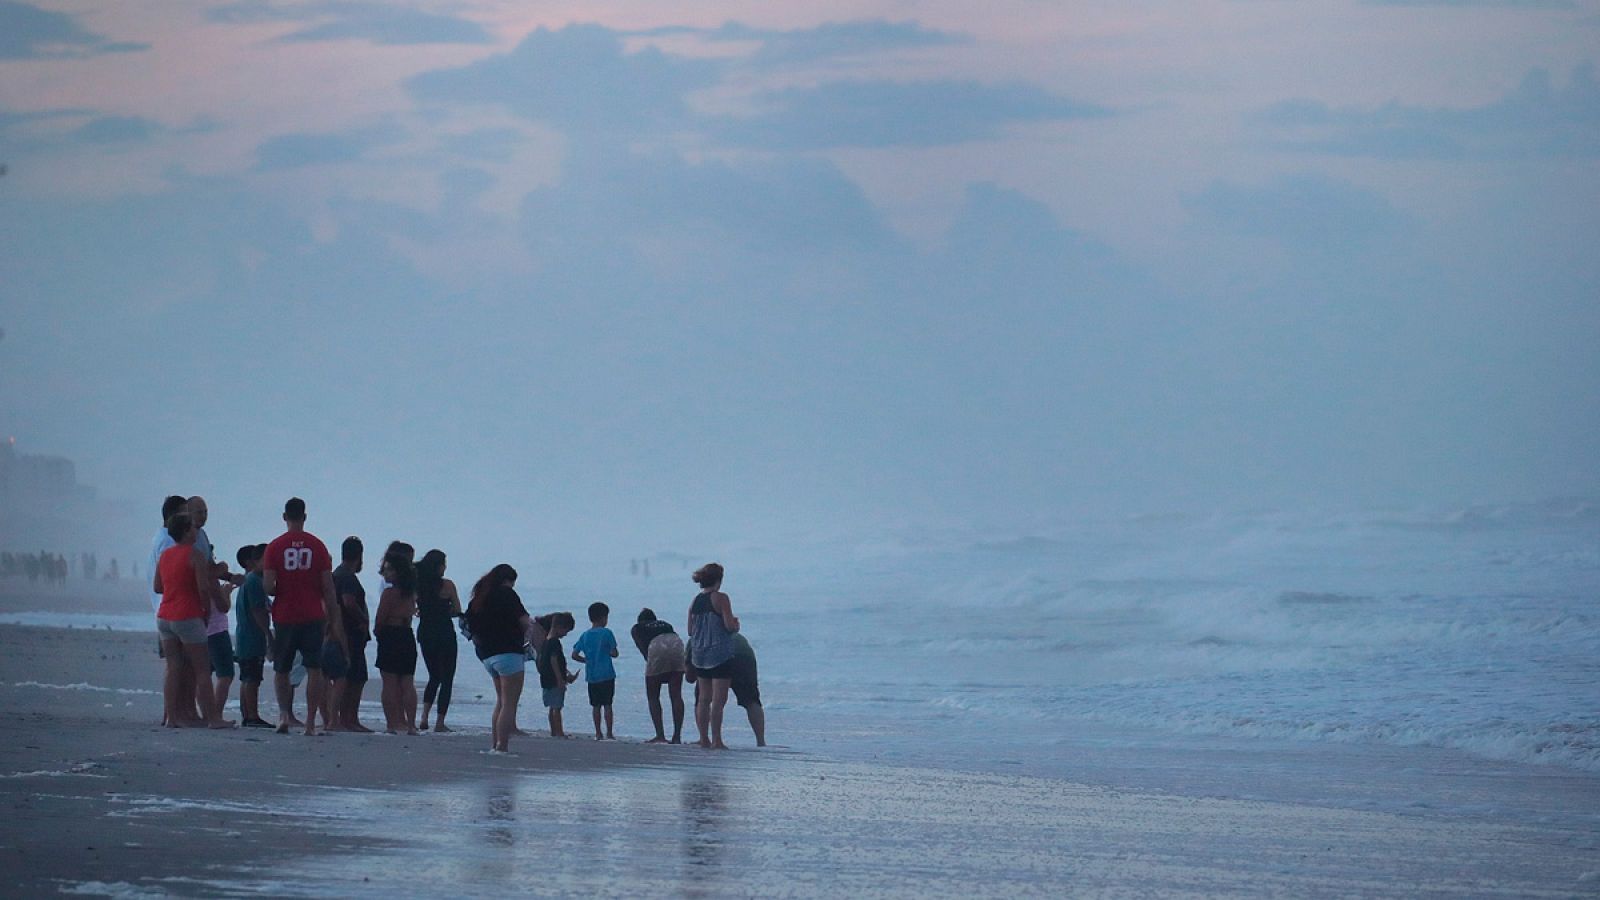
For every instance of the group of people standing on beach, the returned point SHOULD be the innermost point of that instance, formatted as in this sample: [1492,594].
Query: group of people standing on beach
[290,602]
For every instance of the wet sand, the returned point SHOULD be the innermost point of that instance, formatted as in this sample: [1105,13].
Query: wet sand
[98,800]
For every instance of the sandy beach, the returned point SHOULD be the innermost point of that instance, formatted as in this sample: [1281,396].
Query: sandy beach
[98,800]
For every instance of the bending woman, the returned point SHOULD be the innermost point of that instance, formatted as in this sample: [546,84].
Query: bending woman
[711,627]
[437,604]
[397,646]
[499,622]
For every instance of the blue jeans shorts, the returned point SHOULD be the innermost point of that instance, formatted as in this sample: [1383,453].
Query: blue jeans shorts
[555,698]
[503,664]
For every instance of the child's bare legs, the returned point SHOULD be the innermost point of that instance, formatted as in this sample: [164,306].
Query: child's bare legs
[555,724]
[250,700]
[220,693]
[652,696]
[408,702]
[200,665]
[675,689]
[597,735]
[316,691]
[611,735]
[331,698]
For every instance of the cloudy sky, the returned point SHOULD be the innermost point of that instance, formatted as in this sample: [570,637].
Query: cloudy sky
[583,277]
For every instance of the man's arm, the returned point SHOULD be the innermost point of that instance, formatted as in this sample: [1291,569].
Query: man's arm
[202,577]
[330,608]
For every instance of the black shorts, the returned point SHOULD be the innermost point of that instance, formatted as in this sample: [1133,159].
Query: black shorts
[601,693]
[724,670]
[219,647]
[304,638]
[746,689]
[358,664]
[250,670]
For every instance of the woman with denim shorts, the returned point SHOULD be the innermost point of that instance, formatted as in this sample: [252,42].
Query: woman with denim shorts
[499,623]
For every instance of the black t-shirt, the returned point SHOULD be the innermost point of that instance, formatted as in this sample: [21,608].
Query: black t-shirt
[645,632]
[497,624]
[547,669]
[354,617]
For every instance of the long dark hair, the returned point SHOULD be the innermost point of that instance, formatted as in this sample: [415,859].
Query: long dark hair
[402,574]
[495,577]
[430,575]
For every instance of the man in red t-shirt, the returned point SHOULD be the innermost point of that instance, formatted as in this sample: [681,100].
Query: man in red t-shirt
[297,572]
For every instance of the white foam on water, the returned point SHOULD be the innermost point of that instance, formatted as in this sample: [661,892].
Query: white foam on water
[82,686]
[119,889]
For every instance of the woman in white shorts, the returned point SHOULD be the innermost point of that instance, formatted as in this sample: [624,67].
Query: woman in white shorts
[663,664]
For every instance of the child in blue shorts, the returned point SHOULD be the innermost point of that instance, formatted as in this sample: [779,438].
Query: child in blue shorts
[596,648]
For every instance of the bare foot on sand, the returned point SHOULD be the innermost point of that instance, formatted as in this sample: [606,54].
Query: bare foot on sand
[441,729]
[719,746]
[412,732]
[520,733]
[221,723]
[358,728]
[657,740]
[423,726]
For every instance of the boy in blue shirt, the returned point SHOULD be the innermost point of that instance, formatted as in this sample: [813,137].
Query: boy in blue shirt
[596,648]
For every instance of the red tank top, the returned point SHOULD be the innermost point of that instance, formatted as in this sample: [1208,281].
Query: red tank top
[180,596]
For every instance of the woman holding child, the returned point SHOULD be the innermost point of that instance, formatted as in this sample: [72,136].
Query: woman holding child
[498,622]
[711,628]
[397,646]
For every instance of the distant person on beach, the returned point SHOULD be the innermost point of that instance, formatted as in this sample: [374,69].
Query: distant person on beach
[252,634]
[711,628]
[553,674]
[596,648]
[438,605]
[297,571]
[397,644]
[357,633]
[181,578]
[498,621]
[662,650]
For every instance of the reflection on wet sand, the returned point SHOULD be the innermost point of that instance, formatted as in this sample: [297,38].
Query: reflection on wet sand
[704,802]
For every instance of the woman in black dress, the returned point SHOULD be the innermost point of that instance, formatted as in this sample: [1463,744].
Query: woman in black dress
[437,604]
[397,646]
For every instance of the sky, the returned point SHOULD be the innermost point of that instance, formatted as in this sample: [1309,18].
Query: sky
[614,278]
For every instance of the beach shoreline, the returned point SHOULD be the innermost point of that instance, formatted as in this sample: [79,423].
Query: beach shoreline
[100,800]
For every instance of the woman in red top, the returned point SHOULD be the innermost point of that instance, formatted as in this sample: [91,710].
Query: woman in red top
[181,580]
